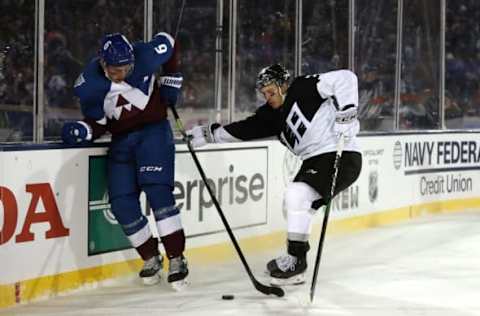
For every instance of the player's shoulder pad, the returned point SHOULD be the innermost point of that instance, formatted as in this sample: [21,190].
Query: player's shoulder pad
[90,87]
[92,76]
[161,44]
[304,81]
[151,55]
[306,78]
[164,37]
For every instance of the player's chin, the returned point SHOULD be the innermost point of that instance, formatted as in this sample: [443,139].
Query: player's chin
[275,105]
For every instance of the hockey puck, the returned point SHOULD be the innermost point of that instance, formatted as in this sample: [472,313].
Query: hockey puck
[227,297]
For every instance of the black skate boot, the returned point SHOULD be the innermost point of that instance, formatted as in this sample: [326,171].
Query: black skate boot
[289,269]
[177,272]
[150,273]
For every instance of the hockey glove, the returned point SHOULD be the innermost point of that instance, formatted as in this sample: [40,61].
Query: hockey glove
[170,87]
[346,123]
[77,132]
[202,134]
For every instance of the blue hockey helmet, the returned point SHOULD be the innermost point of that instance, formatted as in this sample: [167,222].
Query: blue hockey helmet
[275,73]
[116,50]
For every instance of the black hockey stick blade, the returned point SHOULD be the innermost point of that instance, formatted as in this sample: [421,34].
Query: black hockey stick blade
[267,290]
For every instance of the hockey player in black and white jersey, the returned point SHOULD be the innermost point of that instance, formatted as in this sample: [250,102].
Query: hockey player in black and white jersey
[308,116]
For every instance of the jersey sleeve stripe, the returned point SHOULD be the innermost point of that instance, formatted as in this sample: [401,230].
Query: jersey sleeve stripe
[167,36]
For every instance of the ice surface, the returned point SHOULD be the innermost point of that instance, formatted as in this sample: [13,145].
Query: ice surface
[428,266]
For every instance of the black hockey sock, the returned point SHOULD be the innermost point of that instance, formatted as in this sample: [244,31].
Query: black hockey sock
[148,249]
[174,243]
[318,204]
[298,249]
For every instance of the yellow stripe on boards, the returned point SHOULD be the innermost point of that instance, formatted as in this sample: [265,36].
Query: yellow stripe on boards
[50,286]
[393,216]
[7,295]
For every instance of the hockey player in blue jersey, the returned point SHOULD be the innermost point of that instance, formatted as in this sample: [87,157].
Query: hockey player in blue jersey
[119,93]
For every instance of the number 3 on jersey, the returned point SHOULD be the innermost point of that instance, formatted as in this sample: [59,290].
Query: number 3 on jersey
[160,49]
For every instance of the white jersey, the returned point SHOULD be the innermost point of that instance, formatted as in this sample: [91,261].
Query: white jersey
[304,123]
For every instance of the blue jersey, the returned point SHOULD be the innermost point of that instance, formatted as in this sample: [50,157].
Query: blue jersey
[121,107]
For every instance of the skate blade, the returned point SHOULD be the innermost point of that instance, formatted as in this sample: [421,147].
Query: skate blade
[154,279]
[180,285]
[295,280]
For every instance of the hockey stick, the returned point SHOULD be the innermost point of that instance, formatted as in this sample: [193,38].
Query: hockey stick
[336,165]
[177,28]
[259,286]
[179,20]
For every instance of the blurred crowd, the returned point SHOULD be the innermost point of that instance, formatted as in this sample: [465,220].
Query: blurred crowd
[419,87]
[463,60]
[16,69]
[73,30]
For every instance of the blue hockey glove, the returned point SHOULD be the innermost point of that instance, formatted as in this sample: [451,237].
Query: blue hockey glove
[170,87]
[76,133]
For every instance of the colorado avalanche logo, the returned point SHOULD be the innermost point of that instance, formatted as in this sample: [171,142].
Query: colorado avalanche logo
[119,107]
[122,104]
[125,100]
[79,81]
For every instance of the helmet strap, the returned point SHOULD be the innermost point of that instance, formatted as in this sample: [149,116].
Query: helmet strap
[104,67]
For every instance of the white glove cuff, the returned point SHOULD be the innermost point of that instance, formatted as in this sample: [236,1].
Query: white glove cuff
[171,81]
[208,132]
[346,116]
[88,128]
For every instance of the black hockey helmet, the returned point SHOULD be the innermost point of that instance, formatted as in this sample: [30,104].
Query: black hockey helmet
[272,74]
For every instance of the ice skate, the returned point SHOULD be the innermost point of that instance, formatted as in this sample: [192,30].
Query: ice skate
[177,273]
[150,273]
[287,270]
